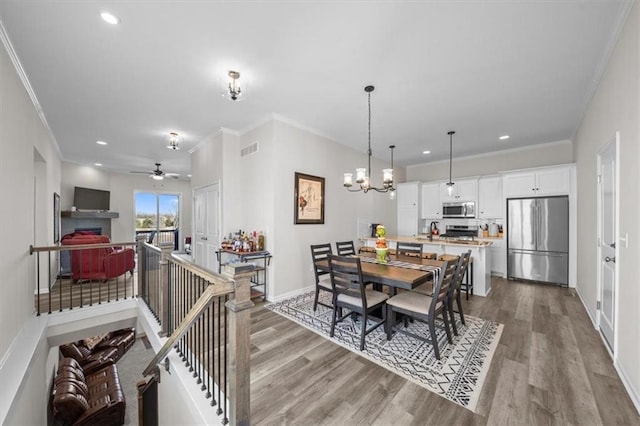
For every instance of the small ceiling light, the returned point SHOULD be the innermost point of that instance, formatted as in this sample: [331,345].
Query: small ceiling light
[426,152]
[101,143]
[110,18]
[157,177]
[97,164]
[232,89]
[174,141]
[504,137]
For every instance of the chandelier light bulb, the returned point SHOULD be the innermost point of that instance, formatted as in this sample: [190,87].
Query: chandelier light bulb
[348,180]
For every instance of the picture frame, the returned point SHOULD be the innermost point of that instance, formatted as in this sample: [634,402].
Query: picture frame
[308,200]
[56,218]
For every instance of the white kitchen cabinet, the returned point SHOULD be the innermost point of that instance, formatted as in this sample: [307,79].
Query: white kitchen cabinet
[539,182]
[431,205]
[463,190]
[490,197]
[498,258]
[408,218]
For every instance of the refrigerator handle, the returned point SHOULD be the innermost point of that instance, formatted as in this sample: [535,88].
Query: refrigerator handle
[534,225]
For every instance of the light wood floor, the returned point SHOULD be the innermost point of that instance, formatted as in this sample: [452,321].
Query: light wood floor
[550,367]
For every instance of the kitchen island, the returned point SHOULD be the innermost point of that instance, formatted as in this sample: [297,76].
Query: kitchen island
[480,253]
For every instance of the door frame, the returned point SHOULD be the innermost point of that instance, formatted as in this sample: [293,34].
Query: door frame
[616,282]
[194,190]
[157,193]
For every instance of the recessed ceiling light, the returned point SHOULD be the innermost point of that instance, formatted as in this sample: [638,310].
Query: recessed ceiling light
[97,164]
[110,18]
[504,137]
[426,152]
[101,143]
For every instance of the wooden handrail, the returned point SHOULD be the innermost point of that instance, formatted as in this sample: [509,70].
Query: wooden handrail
[198,308]
[33,249]
[203,273]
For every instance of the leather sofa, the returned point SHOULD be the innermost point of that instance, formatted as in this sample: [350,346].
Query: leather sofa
[87,399]
[95,352]
[98,264]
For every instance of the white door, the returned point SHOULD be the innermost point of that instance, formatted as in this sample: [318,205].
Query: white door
[607,217]
[206,207]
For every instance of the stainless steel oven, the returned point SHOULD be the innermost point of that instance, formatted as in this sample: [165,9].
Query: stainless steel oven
[465,209]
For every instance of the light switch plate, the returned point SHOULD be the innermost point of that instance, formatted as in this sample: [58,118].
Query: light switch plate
[624,239]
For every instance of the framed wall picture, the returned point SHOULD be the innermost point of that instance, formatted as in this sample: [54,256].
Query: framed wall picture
[56,218]
[308,199]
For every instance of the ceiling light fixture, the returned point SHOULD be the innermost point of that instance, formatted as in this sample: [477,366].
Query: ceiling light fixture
[233,90]
[101,143]
[174,141]
[110,18]
[362,174]
[97,164]
[504,137]
[426,152]
[450,183]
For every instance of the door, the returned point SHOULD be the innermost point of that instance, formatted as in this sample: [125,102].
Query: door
[521,224]
[206,207]
[553,224]
[490,198]
[607,218]
[431,206]
[158,218]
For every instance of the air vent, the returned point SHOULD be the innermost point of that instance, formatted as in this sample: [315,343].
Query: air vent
[249,149]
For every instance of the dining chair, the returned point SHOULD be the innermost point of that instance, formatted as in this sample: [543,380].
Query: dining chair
[345,248]
[424,308]
[455,289]
[349,292]
[320,252]
[409,249]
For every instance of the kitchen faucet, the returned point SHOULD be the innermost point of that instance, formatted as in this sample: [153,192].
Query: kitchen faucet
[431,227]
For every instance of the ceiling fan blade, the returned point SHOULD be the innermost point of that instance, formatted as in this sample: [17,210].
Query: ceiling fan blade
[172,174]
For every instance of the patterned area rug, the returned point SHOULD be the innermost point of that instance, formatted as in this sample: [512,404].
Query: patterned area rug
[457,376]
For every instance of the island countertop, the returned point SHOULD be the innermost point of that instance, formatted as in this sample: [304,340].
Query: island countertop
[437,241]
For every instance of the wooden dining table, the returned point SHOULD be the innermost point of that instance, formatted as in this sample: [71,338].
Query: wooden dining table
[393,276]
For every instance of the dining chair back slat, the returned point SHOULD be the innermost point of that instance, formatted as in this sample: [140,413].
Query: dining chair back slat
[320,252]
[409,249]
[345,248]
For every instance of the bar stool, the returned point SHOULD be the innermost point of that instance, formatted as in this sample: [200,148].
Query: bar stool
[467,285]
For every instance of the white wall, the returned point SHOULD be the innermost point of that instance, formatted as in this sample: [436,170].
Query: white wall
[297,150]
[615,107]
[24,142]
[122,187]
[546,154]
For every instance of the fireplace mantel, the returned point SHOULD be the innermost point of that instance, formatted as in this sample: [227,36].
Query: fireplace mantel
[90,215]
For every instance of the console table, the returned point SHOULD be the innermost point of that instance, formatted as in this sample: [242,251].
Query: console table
[261,260]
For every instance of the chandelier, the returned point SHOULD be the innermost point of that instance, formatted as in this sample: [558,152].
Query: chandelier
[362,174]
[174,141]
[450,183]
[233,90]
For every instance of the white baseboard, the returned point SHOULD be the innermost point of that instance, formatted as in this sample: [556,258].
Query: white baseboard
[293,293]
[634,394]
[587,308]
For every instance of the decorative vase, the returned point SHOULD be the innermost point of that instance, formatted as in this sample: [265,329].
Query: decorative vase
[382,255]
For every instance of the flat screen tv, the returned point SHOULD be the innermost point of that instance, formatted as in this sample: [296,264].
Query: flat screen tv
[91,199]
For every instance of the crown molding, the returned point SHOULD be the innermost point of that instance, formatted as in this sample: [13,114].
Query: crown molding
[15,60]
[221,131]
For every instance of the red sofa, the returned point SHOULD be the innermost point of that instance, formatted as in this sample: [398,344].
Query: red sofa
[100,263]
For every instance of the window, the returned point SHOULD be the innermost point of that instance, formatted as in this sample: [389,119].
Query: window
[158,217]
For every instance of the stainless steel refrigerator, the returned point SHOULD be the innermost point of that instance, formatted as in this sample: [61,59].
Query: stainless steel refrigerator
[538,239]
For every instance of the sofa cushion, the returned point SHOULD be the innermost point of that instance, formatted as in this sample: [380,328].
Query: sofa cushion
[72,351]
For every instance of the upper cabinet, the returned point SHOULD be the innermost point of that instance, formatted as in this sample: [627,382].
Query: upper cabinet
[490,197]
[431,205]
[463,190]
[408,196]
[539,182]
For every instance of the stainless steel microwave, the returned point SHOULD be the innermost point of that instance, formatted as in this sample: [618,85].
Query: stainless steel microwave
[459,209]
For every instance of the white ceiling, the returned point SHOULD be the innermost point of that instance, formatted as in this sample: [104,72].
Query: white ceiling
[481,68]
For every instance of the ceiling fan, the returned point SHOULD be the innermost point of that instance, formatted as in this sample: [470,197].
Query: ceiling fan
[158,174]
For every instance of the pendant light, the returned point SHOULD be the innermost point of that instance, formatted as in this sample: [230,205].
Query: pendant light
[362,174]
[450,183]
